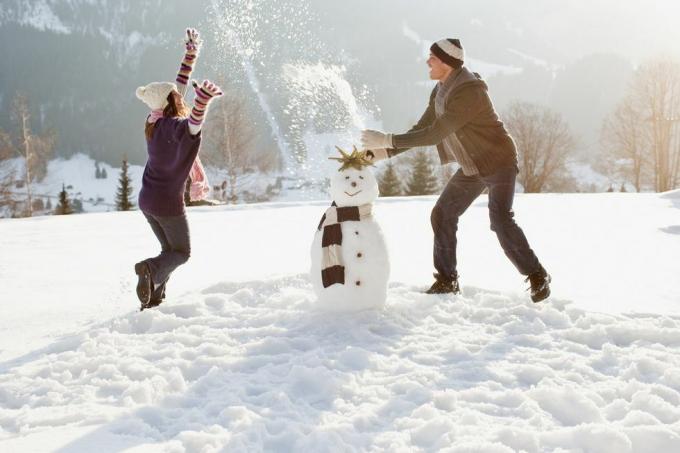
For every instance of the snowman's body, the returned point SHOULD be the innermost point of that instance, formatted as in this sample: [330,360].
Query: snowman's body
[363,249]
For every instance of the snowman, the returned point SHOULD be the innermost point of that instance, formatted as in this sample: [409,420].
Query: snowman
[350,265]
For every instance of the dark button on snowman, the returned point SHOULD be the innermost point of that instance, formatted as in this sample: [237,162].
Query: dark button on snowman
[350,264]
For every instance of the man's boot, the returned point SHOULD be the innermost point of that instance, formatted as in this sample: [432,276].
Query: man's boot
[540,285]
[444,285]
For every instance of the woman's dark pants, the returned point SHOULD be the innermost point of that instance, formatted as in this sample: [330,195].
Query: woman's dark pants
[173,234]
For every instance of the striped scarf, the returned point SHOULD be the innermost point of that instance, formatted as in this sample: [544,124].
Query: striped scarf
[332,265]
[199,182]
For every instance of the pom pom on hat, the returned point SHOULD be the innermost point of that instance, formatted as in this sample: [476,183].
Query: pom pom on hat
[155,94]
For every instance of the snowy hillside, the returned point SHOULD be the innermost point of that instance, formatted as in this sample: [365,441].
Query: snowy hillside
[526,52]
[77,175]
[240,359]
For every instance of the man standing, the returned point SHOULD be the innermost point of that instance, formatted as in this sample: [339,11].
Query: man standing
[461,121]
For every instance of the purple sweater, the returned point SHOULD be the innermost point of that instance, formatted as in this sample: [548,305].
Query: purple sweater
[172,151]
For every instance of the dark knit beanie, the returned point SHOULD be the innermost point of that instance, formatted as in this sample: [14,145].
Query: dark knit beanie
[450,51]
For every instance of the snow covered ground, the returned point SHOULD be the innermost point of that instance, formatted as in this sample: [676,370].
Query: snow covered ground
[239,358]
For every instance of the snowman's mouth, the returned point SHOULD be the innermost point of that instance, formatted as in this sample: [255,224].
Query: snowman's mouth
[352,194]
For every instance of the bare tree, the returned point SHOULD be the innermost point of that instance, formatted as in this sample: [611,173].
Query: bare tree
[21,116]
[35,149]
[626,142]
[6,148]
[643,133]
[655,91]
[42,151]
[7,201]
[229,135]
[544,143]
[7,175]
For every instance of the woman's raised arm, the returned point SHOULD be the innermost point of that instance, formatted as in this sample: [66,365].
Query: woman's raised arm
[192,44]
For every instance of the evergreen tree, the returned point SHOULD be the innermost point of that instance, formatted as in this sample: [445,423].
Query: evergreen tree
[38,204]
[64,205]
[104,174]
[48,205]
[389,183]
[623,188]
[123,202]
[446,172]
[97,171]
[422,180]
[77,205]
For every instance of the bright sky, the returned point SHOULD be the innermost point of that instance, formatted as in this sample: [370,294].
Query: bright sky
[636,28]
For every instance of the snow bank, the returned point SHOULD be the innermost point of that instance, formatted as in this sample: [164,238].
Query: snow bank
[238,359]
[672,194]
[252,367]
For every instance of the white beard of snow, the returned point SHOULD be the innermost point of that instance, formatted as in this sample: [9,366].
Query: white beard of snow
[364,251]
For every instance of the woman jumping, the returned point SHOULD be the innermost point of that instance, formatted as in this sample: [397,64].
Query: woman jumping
[173,137]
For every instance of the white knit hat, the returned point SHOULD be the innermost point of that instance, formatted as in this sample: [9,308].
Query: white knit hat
[155,94]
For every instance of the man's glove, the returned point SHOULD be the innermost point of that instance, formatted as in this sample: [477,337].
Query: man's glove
[376,155]
[375,139]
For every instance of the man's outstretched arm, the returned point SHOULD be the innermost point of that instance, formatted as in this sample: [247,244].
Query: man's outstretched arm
[380,153]
[460,110]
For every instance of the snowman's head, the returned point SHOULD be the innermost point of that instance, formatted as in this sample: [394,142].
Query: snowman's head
[352,187]
[354,184]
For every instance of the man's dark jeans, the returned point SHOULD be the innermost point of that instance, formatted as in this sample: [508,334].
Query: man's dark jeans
[173,234]
[457,196]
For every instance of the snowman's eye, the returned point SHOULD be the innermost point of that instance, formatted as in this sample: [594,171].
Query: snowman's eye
[361,177]
[346,177]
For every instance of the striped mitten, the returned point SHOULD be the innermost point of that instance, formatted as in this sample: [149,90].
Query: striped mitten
[193,44]
[204,94]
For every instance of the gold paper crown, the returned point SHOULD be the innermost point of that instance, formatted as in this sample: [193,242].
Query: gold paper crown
[356,160]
